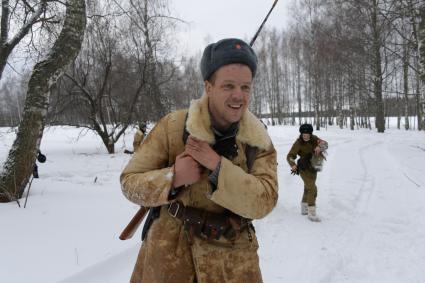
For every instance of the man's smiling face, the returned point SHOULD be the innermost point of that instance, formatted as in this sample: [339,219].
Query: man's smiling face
[228,94]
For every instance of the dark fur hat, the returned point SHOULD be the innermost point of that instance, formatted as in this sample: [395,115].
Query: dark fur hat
[306,129]
[227,51]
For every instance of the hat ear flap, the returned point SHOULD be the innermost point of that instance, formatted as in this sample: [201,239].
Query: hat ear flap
[206,61]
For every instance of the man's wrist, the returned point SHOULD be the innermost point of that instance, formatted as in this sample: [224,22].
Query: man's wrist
[174,191]
[176,182]
[213,176]
[214,163]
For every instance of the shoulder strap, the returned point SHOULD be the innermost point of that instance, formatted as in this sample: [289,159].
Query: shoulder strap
[251,153]
[185,132]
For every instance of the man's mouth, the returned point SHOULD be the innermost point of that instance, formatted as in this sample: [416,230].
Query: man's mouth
[235,106]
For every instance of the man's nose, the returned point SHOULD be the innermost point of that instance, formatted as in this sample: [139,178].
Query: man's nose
[238,93]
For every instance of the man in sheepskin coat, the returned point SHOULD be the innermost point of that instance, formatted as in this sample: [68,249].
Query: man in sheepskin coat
[206,172]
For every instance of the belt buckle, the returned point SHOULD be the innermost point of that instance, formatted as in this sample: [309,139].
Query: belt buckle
[177,210]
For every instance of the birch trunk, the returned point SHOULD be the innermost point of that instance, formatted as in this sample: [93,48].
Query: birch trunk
[421,49]
[20,161]
[377,69]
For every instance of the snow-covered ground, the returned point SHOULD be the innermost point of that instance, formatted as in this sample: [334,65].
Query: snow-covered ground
[371,200]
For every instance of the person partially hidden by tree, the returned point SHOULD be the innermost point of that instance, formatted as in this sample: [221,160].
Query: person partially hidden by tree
[139,136]
[41,158]
[205,173]
[310,150]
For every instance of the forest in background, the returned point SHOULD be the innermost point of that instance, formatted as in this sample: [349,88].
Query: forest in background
[109,65]
[340,62]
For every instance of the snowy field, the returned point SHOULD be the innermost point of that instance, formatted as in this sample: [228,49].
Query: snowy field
[371,201]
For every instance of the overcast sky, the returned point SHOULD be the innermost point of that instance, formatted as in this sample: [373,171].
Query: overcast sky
[210,21]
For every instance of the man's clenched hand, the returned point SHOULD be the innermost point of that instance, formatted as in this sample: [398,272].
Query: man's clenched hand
[186,170]
[202,152]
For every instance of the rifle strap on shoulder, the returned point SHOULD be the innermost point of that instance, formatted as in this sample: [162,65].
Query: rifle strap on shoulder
[251,153]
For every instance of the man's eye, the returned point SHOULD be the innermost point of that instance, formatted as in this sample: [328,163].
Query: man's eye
[246,88]
[228,86]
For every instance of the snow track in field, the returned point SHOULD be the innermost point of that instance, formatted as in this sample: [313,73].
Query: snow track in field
[372,206]
[371,198]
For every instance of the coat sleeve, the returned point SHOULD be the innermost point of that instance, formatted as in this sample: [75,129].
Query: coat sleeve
[250,195]
[147,179]
[138,138]
[322,144]
[292,154]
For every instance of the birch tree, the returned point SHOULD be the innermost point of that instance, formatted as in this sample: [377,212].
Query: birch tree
[421,51]
[121,75]
[20,161]
[18,19]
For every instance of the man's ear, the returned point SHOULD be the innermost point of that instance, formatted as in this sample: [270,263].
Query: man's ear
[207,87]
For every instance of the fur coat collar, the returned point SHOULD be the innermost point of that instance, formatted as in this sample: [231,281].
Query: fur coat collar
[251,130]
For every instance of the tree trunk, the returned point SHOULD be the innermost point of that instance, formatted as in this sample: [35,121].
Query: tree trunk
[299,89]
[377,69]
[4,54]
[421,49]
[316,103]
[19,164]
[406,85]
[418,97]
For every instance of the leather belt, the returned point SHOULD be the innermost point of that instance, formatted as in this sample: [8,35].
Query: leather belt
[209,225]
[176,209]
